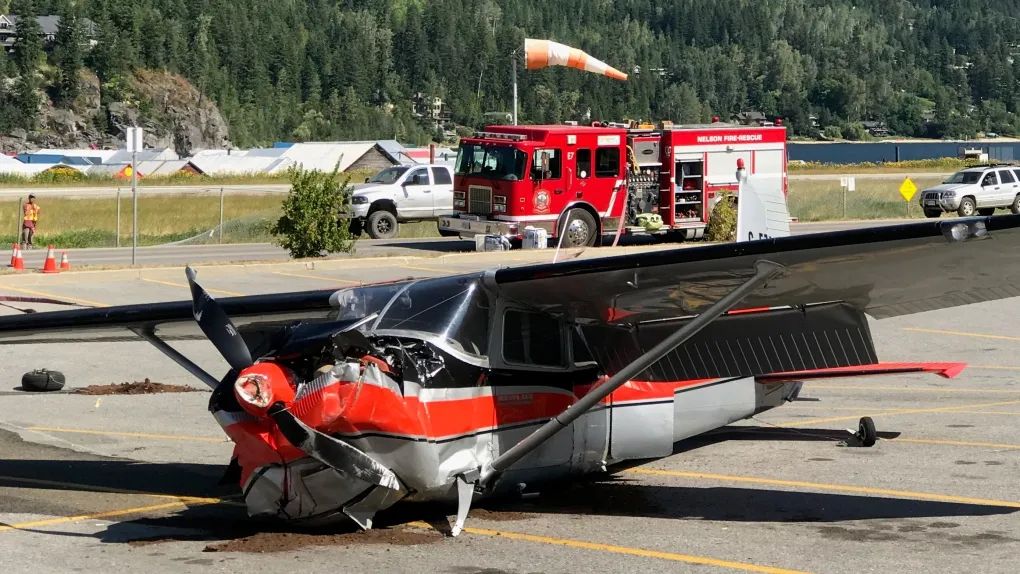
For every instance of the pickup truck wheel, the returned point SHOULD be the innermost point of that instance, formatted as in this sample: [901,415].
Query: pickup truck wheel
[579,229]
[986,211]
[1015,208]
[382,225]
[932,213]
[967,207]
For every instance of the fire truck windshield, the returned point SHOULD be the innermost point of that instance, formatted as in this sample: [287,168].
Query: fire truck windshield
[491,161]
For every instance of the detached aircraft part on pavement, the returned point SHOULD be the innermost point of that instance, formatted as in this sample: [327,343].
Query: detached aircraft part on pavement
[344,403]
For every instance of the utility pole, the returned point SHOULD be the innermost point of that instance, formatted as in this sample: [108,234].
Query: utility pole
[513,58]
[134,145]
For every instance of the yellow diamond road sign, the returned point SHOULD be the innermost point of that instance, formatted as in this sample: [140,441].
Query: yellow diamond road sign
[908,189]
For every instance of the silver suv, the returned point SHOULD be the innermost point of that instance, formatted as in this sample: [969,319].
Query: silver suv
[975,191]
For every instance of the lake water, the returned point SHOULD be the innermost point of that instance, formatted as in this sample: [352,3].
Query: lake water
[888,152]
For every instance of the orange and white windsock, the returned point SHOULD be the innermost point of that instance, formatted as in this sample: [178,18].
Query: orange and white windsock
[545,53]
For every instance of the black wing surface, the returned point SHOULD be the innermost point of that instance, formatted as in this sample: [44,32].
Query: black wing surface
[881,271]
[811,317]
[171,321]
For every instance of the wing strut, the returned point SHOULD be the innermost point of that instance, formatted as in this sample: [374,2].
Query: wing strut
[198,372]
[764,270]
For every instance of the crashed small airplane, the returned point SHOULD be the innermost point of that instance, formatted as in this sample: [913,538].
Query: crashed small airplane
[343,403]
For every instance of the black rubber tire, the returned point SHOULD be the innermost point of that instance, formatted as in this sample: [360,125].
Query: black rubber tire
[866,431]
[932,213]
[579,229]
[967,207]
[1015,208]
[382,225]
[357,227]
[42,381]
[986,211]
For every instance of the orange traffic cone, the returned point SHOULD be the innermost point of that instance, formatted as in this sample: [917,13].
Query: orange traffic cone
[65,265]
[19,262]
[14,254]
[51,262]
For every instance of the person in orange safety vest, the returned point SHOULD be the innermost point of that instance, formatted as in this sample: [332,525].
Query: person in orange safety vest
[28,223]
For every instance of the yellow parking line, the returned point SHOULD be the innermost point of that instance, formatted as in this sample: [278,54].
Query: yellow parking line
[958,443]
[961,334]
[429,269]
[75,300]
[1009,413]
[97,488]
[319,277]
[127,434]
[867,387]
[94,516]
[183,286]
[624,550]
[909,494]
[804,422]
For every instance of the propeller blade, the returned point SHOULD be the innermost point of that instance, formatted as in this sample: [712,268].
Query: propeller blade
[216,325]
[330,451]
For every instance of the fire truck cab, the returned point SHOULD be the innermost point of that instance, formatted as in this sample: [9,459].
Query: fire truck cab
[580,182]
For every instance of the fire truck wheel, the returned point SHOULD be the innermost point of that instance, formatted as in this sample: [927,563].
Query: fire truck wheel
[382,225]
[579,229]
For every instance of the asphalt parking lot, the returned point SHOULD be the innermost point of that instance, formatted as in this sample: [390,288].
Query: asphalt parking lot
[93,483]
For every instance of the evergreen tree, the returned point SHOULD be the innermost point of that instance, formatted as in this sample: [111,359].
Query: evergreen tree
[68,55]
[27,50]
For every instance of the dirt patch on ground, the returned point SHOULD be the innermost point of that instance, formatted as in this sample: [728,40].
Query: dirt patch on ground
[498,515]
[145,387]
[263,542]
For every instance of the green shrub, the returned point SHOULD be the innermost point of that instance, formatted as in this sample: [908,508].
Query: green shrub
[313,223]
[722,226]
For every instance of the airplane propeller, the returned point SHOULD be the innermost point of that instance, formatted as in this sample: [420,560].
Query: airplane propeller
[217,326]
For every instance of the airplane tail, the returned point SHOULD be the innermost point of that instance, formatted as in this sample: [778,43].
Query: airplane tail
[761,208]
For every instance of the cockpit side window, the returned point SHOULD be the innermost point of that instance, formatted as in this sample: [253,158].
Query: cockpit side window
[532,339]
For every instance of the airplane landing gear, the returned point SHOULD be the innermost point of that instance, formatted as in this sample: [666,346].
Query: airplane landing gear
[866,434]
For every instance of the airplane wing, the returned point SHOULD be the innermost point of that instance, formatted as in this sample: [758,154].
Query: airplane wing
[811,316]
[169,321]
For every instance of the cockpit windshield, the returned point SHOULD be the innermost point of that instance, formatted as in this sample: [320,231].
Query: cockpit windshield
[491,161]
[455,309]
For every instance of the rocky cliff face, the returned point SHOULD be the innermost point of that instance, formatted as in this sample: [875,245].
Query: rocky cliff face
[173,113]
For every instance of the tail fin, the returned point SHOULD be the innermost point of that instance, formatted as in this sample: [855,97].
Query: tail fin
[761,208]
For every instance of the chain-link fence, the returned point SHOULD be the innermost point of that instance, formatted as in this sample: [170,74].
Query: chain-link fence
[102,217]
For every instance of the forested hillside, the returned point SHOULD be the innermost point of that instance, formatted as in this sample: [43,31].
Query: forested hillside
[326,69]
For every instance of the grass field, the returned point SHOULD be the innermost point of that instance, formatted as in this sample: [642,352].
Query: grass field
[873,199]
[941,165]
[162,219]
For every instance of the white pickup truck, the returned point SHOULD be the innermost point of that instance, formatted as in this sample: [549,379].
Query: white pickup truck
[401,194]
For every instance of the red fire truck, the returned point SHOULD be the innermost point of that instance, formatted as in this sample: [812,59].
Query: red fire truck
[585,181]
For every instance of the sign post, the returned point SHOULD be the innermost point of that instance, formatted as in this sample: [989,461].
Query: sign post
[134,145]
[907,190]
